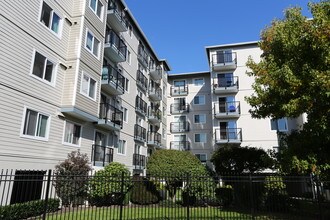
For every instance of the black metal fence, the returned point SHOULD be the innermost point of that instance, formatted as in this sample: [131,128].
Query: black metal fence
[47,195]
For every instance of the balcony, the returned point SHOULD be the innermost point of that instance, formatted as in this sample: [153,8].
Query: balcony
[114,47]
[179,127]
[227,110]
[178,108]
[179,90]
[143,56]
[116,18]
[154,116]
[229,135]
[224,61]
[140,106]
[156,72]
[154,139]
[112,81]
[155,92]
[180,145]
[139,161]
[110,117]
[141,80]
[101,155]
[139,133]
[225,85]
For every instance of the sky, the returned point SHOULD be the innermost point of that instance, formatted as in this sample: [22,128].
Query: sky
[179,30]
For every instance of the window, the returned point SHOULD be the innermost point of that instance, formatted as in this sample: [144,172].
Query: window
[199,82]
[200,119]
[199,100]
[126,85]
[279,124]
[92,44]
[97,7]
[164,111]
[201,157]
[43,68]
[125,113]
[164,133]
[128,57]
[200,138]
[72,133]
[164,91]
[130,30]
[35,124]
[179,83]
[122,147]
[88,86]
[50,19]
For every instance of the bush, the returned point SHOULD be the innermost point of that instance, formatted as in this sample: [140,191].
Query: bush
[28,209]
[225,195]
[107,186]
[71,179]
[144,192]
[275,195]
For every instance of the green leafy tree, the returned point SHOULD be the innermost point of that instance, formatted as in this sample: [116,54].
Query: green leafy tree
[293,78]
[71,178]
[235,159]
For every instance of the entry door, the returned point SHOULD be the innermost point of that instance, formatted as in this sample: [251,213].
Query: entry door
[180,104]
[227,104]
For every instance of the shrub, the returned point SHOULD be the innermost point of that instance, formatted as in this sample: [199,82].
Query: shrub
[225,195]
[144,192]
[275,195]
[28,209]
[71,179]
[110,185]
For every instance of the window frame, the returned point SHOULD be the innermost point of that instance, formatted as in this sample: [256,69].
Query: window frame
[54,71]
[93,41]
[275,122]
[200,142]
[199,157]
[179,80]
[123,147]
[95,10]
[89,81]
[194,81]
[24,120]
[125,114]
[199,103]
[60,26]
[80,135]
[204,122]
[129,57]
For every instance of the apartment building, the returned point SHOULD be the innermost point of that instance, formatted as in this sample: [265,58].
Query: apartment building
[78,75]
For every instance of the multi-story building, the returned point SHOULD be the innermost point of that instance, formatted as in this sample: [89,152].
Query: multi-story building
[78,75]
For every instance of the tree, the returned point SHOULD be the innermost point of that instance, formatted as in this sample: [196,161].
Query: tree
[293,78]
[71,178]
[235,159]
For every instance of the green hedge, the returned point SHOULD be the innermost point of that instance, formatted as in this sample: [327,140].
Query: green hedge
[28,209]
[144,192]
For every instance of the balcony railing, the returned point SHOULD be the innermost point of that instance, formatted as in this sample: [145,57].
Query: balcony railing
[112,80]
[117,48]
[224,61]
[225,85]
[139,161]
[156,72]
[227,109]
[111,114]
[154,138]
[155,92]
[179,126]
[101,155]
[154,115]
[180,145]
[140,105]
[178,108]
[141,80]
[179,90]
[228,135]
[116,18]
[143,56]
[139,133]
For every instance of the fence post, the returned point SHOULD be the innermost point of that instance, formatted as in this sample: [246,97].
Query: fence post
[251,196]
[188,196]
[121,194]
[318,185]
[47,194]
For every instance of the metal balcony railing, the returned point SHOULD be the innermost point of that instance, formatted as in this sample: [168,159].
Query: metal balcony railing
[179,126]
[101,155]
[139,160]
[179,90]
[119,14]
[155,91]
[140,105]
[143,56]
[141,80]
[179,108]
[116,42]
[180,145]
[154,137]
[109,112]
[227,108]
[139,133]
[154,113]
[224,59]
[228,135]
[113,76]
[225,82]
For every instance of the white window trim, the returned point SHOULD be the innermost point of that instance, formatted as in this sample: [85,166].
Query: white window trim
[125,147]
[124,114]
[54,74]
[91,51]
[200,142]
[81,84]
[199,103]
[59,34]
[200,122]
[35,137]
[199,78]
[63,136]
[102,10]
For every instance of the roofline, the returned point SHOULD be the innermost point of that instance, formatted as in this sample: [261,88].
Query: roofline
[189,73]
[140,30]
[166,63]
